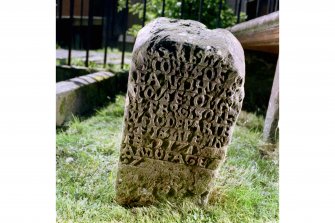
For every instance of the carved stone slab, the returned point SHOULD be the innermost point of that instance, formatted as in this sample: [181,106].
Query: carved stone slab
[185,91]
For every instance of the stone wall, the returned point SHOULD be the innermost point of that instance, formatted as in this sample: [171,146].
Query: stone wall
[81,95]
[65,72]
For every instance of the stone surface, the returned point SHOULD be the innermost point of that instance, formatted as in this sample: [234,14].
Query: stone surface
[80,95]
[65,72]
[185,91]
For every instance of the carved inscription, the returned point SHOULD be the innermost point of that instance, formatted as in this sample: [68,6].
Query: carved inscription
[180,105]
[185,91]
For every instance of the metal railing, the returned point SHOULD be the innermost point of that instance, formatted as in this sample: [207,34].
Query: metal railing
[109,14]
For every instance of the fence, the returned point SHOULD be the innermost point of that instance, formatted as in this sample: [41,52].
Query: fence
[102,19]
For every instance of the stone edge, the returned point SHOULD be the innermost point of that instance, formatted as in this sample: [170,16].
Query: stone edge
[72,95]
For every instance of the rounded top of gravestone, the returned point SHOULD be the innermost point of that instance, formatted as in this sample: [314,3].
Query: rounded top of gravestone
[166,32]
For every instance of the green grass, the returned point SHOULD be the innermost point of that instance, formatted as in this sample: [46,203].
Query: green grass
[87,155]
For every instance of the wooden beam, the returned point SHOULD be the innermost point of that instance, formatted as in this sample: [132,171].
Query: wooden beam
[272,115]
[261,34]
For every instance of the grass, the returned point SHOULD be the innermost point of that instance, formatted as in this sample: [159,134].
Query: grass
[87,155]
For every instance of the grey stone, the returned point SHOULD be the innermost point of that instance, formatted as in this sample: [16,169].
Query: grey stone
[65,72]
[81,94]
[185,92]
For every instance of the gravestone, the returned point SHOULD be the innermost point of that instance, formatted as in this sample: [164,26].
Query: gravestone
[185,91]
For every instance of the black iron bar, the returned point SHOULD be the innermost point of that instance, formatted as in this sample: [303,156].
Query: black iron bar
[257,8]
[124,35]
[113,18]
[274,6]
[239,11]
[81,23]
[144,12]
[235,7]
[277,5]
[191,12]
[218,22]
[163,9]
[268,7]
[89,29]
[182,9]
[200,10]
[106,18]
[70,32]
[60,9]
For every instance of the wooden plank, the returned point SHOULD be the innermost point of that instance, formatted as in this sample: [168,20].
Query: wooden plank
[261,34]
[272,115]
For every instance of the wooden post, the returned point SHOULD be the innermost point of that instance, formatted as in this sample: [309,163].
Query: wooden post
[260,34]
[272,114]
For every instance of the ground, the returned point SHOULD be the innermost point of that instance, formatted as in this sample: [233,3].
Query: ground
[87,155]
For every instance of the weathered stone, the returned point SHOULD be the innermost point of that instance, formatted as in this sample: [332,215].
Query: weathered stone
[185,91]
[65,72]
[81,94]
